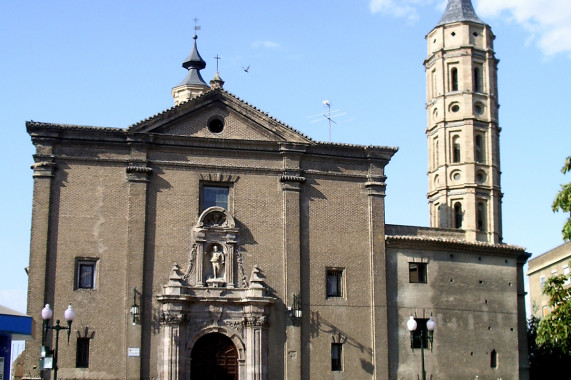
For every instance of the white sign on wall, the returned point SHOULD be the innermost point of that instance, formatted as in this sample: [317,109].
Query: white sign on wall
[133,352]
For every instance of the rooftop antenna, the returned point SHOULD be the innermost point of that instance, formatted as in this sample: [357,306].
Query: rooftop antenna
[328,116]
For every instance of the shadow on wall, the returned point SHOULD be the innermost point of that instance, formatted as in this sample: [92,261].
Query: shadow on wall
[319,325]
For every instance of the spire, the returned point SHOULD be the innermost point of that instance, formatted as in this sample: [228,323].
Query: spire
[216,82]
[194,63]
[193,85]
[459,10]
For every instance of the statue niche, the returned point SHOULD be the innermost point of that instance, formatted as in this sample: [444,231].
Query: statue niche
[217,260]
[213,258]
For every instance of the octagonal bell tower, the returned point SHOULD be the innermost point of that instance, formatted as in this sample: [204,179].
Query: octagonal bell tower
[463,133]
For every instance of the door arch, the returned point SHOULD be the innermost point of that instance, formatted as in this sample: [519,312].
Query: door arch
[214,357]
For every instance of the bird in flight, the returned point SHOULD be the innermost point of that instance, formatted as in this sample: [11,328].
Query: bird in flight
[246,69]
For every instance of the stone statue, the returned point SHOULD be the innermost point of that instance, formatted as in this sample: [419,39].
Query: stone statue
[217,261]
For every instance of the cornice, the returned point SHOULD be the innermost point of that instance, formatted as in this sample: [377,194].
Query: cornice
[419,242]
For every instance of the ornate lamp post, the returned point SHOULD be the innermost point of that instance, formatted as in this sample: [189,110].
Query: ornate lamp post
[411,325]
[47,314]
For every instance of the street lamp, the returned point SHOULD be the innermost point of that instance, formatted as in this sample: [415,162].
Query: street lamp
[411,325]
[49,357]
[295,309]
[135,311]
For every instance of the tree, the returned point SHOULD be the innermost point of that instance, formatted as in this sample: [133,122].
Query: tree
[562,201]
[549,338]
[545,360]
[555,328]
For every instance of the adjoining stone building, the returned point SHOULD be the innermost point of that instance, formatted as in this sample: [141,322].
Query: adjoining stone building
[551,263]
[254,252]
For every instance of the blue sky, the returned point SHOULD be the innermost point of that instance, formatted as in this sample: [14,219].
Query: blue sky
[113,63]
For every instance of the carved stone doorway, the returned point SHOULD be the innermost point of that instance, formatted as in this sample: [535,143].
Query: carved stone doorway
[214,357]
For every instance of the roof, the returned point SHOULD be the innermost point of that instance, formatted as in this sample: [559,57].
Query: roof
[459,10]
[153,124]
[442,238]
[15,324]
[555,255]
[194,63]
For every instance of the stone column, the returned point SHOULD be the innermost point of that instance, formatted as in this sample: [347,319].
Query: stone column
[170,365]
[229,263]
[138,176]
[292,181]
[199,264]
[256,341]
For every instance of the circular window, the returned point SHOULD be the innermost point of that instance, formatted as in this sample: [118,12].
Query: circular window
[216,125]
[478,108]
[481,176]
[435,113]
[455,175]
[436,180]
[455,108]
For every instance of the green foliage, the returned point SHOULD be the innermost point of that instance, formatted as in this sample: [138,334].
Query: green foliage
[545,360]
[549,339]
[562,201]
[555,328]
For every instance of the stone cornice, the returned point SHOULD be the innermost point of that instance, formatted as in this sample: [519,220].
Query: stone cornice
[87,134]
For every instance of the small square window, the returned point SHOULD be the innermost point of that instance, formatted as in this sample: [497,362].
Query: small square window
[420,335]
[82,353]
[336,357]
[417,273]
[85,274]
[214,196]
[334,283]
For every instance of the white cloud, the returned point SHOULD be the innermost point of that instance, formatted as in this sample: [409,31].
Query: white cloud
[14,299]
[266,45]
[548,21]
[402,8]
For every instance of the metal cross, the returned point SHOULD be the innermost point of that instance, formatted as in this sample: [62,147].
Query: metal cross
[217,58]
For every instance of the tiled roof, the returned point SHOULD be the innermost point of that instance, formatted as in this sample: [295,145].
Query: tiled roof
[459,10]
[454,241]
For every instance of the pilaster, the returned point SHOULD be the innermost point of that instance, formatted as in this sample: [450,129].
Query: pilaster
[292,181]
[137,174]
[41,265]
[376,187]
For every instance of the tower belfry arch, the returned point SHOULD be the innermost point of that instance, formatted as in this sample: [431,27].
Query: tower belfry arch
[462,128]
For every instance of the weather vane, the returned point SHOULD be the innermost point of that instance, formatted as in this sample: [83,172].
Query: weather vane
[196,26]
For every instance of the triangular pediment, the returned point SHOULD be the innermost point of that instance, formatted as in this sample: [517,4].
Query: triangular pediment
[218,114]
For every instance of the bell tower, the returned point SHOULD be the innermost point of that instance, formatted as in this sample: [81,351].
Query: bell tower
[463,133]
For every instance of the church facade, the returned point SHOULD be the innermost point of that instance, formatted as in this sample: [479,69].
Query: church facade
[212,241]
